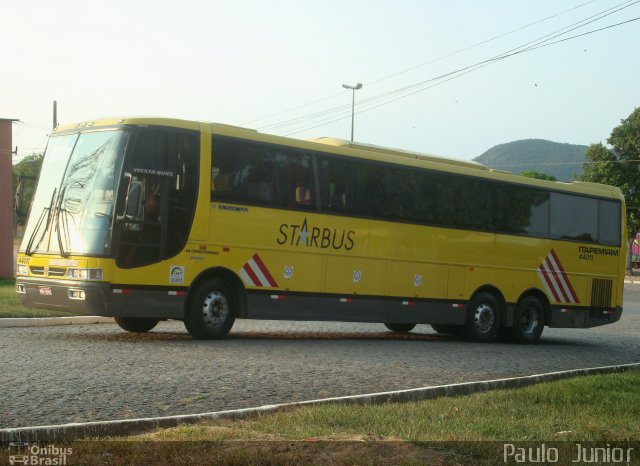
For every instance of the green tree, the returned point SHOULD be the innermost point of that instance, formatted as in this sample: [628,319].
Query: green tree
[27,171]
[619,165]
[538,175]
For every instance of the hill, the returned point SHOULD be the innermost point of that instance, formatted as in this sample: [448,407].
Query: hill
[564,161]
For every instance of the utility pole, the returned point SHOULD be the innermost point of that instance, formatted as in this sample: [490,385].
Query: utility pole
[55,114]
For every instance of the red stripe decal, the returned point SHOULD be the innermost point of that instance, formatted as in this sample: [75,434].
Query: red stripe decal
[254,278]
[566,278]
[264,270]
[549,283]
[557,280]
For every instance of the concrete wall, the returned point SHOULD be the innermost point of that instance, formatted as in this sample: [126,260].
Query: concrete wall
[6,201]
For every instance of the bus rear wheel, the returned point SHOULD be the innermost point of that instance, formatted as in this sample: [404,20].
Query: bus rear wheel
[528,320]
[136,324]
[400,328]
[211,310]
[483,318]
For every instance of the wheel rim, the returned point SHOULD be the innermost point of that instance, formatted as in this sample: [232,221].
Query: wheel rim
[484,318]
[215,309]
[529,320]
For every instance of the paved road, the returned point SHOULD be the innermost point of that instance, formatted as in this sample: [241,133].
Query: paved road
[56,375]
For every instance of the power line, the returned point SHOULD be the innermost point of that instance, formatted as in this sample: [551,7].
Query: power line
[585,162]
[533,45]
[480,43]
[454,76]
[32,125]
[407,89]
[421,86]
[442,57]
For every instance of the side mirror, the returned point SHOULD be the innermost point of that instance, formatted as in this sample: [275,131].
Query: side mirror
[134,200]
[18,204]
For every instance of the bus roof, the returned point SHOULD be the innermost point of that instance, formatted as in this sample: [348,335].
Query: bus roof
[397,152]
[130,120]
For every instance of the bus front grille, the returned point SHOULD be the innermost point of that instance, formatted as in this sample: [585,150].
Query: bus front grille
[48,271]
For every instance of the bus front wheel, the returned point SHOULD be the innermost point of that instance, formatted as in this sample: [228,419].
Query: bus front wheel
[211,310]
[528,320]
[483,318]
[400,328]
[136,324]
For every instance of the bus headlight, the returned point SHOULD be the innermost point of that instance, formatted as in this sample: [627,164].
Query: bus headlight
[85,274]
[22,269]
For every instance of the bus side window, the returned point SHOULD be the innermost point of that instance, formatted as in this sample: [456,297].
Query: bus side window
[258,181]
[609,222]
[574,217]
[297,175]
[338,185]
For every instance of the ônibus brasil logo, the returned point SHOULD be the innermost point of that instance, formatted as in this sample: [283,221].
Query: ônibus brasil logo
[315,237]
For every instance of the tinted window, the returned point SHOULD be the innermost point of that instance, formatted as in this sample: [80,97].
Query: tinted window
[182,191]
[266,174]
[465,202]
[574,217]
[342,186]
[402,194]
[609,222]
[262,174]
[160,191]
[520,209]
[388,192]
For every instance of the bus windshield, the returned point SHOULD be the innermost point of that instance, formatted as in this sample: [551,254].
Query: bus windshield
[73,207]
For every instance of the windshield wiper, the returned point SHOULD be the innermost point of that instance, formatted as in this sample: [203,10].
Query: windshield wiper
[62,223]
[58,224]
[46,211]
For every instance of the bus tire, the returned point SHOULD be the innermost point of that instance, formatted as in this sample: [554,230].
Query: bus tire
[136,324]
[528,320]
[211,310]
[446,329]
[483,318]
[400,328]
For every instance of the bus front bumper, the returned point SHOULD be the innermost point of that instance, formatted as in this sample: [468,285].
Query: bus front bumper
[99,299]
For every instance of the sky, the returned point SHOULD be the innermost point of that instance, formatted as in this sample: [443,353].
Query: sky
[261,64]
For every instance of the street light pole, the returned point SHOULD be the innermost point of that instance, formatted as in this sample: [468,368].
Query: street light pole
[353,103]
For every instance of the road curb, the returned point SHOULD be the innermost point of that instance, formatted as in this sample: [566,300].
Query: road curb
[65,432]
[50,321]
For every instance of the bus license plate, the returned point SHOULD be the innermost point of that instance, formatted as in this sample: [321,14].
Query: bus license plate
[45,291]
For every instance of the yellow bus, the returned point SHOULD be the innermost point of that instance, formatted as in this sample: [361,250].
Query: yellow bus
[148,219]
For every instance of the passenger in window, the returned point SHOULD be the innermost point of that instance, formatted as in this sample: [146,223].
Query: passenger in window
[259,183]
[339,197]
[152,213]
[152,206]
[303,194]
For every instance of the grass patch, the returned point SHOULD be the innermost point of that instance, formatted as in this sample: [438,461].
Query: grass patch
[10,304]
[593,408]
[601,408]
